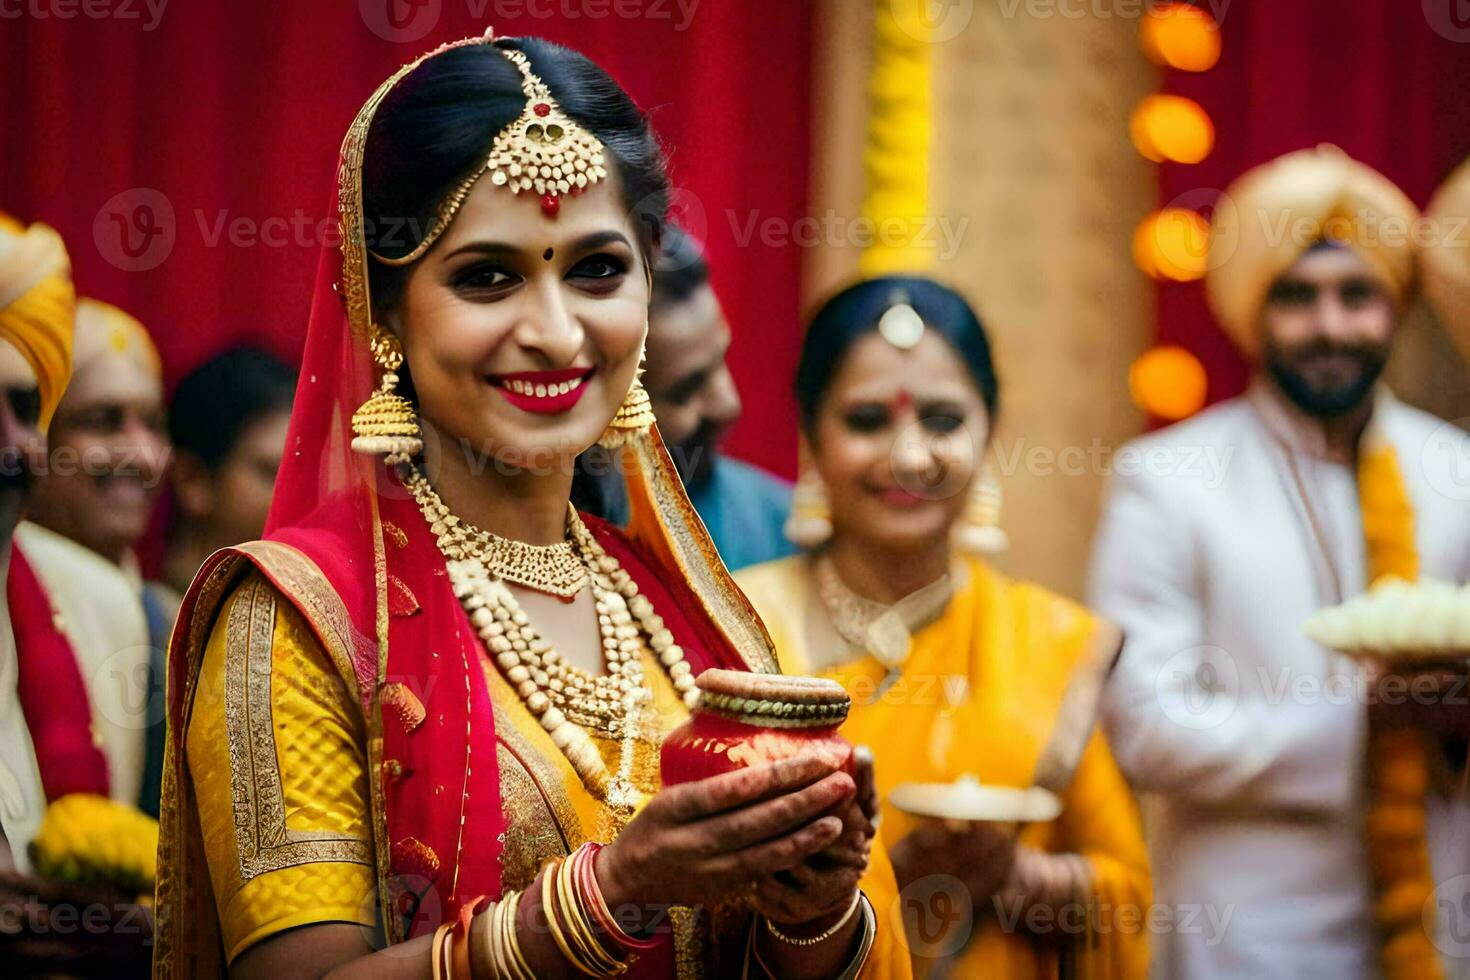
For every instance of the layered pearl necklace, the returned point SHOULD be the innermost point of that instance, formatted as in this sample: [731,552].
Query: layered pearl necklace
[567,701]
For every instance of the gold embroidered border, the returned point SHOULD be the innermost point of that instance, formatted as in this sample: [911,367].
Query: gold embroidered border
[263,841]
[1077,713]
[299,577]
[695,554]
[540,767]
[532,836]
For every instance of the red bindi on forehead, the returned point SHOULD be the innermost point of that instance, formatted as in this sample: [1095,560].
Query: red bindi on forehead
[900,401]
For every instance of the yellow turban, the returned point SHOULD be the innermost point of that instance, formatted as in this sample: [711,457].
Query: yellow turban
[1447,259]
[103,328]
[1276,212]
[38,305]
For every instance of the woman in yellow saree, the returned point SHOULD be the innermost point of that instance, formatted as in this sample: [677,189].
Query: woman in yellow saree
[954,669]
[415,731]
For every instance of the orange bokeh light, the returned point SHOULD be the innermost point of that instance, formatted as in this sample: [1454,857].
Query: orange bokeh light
[1181,36]
[1173,128]
[1168,383]
[1172,244]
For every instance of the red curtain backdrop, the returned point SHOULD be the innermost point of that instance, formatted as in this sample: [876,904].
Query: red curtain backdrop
[209,132]
[1386,80]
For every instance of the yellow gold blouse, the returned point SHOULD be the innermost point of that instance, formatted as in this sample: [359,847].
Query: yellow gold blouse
[275,751]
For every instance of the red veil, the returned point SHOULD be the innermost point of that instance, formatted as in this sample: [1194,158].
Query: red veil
[347,544]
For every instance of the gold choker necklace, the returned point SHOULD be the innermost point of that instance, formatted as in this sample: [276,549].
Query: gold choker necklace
[555,569]
[885,631]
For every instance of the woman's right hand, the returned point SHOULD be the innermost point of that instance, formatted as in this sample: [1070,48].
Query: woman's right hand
[697,841]
[980,855]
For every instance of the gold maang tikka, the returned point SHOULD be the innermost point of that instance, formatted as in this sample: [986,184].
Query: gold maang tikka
[544,151]
[901,324]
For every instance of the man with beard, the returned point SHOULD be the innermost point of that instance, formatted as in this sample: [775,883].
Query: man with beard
[1249,743]
[695,402]
[92,501]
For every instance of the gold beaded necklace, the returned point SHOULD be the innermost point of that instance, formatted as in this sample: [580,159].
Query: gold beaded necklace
[567,701]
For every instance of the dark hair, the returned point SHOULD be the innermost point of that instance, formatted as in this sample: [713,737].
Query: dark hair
[855,312]
[436,125]
[220,399]
[680,270]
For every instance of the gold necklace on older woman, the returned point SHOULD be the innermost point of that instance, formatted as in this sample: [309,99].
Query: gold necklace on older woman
[885,631]
[566,700]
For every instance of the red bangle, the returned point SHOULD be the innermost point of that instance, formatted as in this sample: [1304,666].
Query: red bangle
[459,938]
[585,860]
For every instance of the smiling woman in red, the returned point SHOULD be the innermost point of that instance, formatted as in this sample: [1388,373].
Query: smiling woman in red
[417,728]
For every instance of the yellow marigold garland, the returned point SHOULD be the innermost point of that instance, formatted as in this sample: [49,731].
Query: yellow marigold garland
[90,840]
[900,125]
[1398,760]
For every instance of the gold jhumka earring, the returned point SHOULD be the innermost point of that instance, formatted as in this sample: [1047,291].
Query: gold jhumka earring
[386,422]
[809,524]
[634,415]
[979,530]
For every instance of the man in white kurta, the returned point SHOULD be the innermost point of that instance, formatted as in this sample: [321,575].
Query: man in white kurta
[1246,740]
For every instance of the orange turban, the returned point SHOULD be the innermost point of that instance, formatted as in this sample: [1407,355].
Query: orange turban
[103,328]
[38,305]
[1447,260]
[1276,212]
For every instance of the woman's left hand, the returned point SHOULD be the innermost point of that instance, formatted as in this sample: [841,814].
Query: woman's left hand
[821,888]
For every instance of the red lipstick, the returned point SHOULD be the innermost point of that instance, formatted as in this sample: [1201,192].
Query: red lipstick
[543,392]
[901,499]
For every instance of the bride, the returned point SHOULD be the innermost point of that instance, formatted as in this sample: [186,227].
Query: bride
[416,730]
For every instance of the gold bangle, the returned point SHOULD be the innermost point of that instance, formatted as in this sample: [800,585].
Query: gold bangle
[436,951]
[482,943]
[825,935]
[580,924]
[516,966]
[548,908]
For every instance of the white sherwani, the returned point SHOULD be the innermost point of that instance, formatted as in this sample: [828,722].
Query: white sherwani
[102,616]
[1245,740]
[21,797]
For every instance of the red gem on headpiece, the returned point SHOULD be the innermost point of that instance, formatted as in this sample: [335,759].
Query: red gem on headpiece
[543,110]
[551,204]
